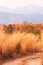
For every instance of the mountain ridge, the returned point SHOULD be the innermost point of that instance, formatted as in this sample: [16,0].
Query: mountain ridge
[32,14]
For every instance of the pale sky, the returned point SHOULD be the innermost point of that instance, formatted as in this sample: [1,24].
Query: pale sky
[20,3]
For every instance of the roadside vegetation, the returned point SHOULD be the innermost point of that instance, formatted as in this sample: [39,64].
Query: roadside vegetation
[9,29]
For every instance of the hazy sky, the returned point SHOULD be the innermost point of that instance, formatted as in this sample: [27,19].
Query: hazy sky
[19,3]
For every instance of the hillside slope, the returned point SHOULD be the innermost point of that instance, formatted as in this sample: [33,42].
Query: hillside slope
[21,39]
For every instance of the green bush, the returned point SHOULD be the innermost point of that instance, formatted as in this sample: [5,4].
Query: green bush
[33,31]
[9,29]
[9,53]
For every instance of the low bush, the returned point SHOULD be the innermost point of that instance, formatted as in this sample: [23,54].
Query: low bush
[18,48]
[9,29]
[8,54]
[33,31]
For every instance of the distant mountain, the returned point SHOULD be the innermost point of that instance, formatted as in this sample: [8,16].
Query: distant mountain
[6,18]
[29,9]
[32,14]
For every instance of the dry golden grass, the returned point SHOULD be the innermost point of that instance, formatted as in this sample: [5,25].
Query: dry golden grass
[29,42]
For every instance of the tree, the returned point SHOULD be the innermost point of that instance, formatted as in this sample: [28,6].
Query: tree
[25,22]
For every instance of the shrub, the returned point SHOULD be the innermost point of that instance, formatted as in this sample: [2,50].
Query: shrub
[9,29]
[18,49]
[34,31]
[0,51]
[9,53]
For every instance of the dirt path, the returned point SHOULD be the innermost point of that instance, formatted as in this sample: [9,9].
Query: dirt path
[29,60]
